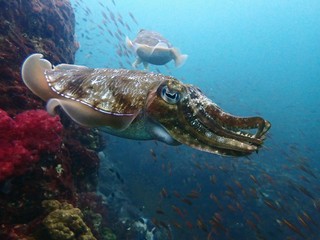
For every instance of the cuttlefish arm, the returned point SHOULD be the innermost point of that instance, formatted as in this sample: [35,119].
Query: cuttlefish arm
[140,105]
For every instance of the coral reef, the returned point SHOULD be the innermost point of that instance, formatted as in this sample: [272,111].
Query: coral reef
[45,26]
[95,211]
[39,159]
[24,138]
[64,222]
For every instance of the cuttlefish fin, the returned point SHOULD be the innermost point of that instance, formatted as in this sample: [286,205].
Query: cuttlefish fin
[178,58]
[129,43]
[146,65]
[64,66]
[150,50]
[161,45]
[147,50]
[33,76]
[136,63]
[90,117]
[162,135]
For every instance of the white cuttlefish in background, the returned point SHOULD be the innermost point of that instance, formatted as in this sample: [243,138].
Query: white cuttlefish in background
[151,47]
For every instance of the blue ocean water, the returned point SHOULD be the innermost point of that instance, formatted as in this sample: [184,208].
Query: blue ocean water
[251,58]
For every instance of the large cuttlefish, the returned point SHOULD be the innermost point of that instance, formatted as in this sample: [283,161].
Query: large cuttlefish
[142,105]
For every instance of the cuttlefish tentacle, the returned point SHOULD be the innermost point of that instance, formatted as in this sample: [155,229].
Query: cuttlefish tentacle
[227,120]
[222,137]
[201,122]
[141,105]
[233,132]
[220,122]
[202,136]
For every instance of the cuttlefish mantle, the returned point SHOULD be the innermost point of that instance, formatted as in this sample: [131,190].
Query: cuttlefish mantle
[143,106]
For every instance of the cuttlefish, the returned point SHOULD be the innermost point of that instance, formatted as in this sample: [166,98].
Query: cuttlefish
[143,106]
[151,47]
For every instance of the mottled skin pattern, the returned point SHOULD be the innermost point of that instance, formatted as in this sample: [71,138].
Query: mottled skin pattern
[141,105]
[151,39]
[116,91]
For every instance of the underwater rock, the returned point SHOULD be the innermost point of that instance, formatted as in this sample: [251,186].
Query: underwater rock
[96,214]
[65,222]
[108,234]
[26,27]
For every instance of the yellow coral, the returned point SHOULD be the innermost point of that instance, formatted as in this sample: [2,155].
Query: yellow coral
[64,222]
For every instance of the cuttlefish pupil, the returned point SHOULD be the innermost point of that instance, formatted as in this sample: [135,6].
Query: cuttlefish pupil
[143,106]
[171,97]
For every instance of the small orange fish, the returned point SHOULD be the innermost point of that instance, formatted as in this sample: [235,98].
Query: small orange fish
[197,165]
[164,193]
[169,168]
[306,192]
[216,221]
[153,154]
[214,198]
[187,201]
[189,224]
[293,227]
[201,225]
[302,222]
[177,225]
[159,211]
[307,170]
[270,204]
[178,211]
[239,185]
[176,194]
[239,206]
[213,179]
[231,208]
[251,224]
[308,217]
[256,216]
[253,178]
[193,194]
[253,192]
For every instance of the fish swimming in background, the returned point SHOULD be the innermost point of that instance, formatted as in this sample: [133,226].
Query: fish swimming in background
[151,47]
[133,18]
[143,106]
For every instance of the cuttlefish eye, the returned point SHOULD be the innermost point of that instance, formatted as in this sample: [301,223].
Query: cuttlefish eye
[171,97]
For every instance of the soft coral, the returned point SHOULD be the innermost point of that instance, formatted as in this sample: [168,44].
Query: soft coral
[24,138]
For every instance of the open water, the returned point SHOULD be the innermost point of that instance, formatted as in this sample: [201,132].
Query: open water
[251,58]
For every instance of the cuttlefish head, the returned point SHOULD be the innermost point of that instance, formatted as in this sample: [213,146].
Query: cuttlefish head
[193,119]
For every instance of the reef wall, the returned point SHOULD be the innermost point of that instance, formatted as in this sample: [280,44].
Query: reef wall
[44,26]
[33,171]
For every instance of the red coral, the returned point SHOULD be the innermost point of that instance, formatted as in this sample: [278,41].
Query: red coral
[24,138]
